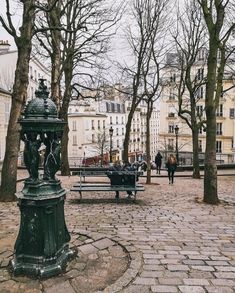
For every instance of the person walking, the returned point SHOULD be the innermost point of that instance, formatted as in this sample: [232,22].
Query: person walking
[171,165]
[158,162]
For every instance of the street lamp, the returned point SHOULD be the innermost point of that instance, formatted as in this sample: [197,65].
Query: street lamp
[176,142]
[111,144]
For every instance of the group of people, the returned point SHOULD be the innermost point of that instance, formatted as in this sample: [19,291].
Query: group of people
[171,165]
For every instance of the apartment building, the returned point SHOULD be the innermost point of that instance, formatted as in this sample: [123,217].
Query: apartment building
[225,124]
[8,61]
[5,106]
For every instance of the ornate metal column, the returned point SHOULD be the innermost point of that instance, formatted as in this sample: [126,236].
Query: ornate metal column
[41,248]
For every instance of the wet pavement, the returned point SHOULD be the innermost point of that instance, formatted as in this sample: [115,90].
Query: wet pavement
[167,241]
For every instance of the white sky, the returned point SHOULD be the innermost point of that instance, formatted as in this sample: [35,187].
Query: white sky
[16,12]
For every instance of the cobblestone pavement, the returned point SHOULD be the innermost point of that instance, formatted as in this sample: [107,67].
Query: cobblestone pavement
[168,241]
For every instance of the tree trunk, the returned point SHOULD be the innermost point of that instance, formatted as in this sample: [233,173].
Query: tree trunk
[127,135]
[148,116]
[196,168]
[19,96]
[210,177]
[54,21]
[65,170]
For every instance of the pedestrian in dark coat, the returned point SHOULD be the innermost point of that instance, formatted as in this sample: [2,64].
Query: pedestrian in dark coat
[171,165]
[158,162]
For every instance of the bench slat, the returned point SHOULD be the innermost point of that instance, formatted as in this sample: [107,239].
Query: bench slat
[108,188]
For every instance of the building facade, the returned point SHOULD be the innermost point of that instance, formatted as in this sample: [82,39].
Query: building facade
[5,106]
[225,122]
[8,61]
[107,110]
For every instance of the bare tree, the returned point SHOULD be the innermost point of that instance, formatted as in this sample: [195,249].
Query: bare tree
[101,144]
[219,19]
[87,29]
[145,45]
[190,43]
[23,41]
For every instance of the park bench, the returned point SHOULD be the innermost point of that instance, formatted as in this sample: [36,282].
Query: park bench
[120,181]
[84,172]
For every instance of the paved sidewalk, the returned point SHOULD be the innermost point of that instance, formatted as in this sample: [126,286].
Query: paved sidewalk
[168,241]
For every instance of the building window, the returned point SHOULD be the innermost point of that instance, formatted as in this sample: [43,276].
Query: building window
[122,130]
[171,96]
[122,120]
[200,130]
[118,143]
[219,129]
[92,124]
[111,120]
[219,111]
[218,146]
[74,126]
[199,93]
[98,124]
[201,54]
[7,113]
[232,113]
[170,144]
[93,138]
[173,77]
[117,131]
[199,110]
[74,140]
[116,119]
[103,124]
[200,146]
[171,128]
[200,74]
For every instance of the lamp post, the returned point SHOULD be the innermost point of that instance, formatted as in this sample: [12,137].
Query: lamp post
[176,142]
[111,144]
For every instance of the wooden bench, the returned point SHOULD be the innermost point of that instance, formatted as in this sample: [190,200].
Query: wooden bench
[89,172]
[85,187]
[121,181]
[95,172]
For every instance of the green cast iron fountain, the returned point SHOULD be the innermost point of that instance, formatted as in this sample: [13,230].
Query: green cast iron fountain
[41,249]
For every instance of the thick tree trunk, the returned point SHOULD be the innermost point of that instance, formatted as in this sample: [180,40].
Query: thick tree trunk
[148,116]
[210,177]
[19,96]
[55,79]
[65,170]
[127,135]
[196,169]
[54,21]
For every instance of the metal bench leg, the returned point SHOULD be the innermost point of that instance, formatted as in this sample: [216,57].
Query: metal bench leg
[80,195]
[117,196]
[135,193]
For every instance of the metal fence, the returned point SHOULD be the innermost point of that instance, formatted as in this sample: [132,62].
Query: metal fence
[186,158]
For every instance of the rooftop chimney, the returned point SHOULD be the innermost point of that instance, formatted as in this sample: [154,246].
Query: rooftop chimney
[4,46]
